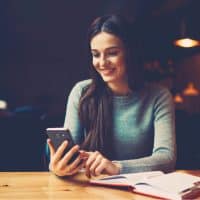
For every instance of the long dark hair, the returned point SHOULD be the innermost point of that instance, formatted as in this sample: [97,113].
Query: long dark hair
[95,109]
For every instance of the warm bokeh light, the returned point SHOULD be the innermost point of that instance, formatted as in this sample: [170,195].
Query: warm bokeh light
[3,105]
[190,90]
[186,42]
[178,98]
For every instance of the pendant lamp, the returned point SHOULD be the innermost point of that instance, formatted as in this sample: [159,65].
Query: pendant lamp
[178,98]
[185,39]
[190,90]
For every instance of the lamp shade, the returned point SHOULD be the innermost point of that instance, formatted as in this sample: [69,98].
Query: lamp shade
[190,90]
[178,98]
[185,38]
[186,42]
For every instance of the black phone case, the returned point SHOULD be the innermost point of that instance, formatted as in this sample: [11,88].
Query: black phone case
[58,136]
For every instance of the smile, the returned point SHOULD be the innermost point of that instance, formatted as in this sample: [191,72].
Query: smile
[107,72]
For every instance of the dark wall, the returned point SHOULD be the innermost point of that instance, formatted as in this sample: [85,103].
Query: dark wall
[42,55]
[43,50]
[43,45]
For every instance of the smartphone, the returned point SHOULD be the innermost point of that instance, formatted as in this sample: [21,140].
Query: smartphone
[57,136]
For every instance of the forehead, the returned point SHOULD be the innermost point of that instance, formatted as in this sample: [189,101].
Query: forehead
[105,40]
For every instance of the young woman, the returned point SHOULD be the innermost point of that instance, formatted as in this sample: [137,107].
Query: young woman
[121,124]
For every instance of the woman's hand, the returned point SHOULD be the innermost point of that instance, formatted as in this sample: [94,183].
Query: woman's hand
[97,164]
[59,165]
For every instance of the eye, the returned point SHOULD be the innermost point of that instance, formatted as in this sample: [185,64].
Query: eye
[95,54]
[113,53]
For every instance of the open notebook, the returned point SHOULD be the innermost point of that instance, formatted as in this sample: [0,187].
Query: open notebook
[175,185]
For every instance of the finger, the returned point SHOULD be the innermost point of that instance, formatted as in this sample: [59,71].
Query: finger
[72,166]
[62,164]
[95,164]
[76,162]
[58,154]
[62,169]
[101,167]
[87,167]
[84,154]
[69,154]
[91,158]
[51,148]
[89,162]
[74,171]
[79,167]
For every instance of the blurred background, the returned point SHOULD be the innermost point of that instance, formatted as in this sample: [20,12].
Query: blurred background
[43,54]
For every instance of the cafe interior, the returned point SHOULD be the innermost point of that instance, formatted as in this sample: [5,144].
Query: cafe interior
[43,54]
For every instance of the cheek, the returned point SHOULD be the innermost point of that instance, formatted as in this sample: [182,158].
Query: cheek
[94,63]
[121,64]
[122,60]
[122,67]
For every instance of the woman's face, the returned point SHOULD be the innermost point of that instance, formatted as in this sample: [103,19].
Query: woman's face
[108,58]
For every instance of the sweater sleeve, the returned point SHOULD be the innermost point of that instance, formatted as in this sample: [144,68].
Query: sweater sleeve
[72,121]
[163,156]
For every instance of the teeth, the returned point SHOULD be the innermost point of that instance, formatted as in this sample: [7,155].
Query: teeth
[106,72]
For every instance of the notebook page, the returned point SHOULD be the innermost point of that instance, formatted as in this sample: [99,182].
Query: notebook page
[115,181]
[175,182]
[134,178]
[127,179]
[153,191]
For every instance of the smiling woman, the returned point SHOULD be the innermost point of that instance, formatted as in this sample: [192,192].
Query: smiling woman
[120,123]
[108,58]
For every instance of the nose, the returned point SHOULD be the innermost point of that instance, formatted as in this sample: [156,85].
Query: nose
[103,61]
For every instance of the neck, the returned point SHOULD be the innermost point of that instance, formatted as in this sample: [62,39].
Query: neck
[120,89]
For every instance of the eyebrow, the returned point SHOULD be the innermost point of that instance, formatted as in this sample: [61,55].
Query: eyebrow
[109,48]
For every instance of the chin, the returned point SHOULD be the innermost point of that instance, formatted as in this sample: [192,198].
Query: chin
[108,79]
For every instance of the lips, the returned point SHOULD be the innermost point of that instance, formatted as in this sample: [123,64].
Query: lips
[107,72]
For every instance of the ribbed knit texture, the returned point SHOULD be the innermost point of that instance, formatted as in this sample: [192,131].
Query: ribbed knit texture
[143,128]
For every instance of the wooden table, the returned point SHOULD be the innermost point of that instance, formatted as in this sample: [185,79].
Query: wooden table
[45,185]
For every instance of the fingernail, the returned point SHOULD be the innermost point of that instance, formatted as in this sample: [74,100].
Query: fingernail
[65,142]
[48,140]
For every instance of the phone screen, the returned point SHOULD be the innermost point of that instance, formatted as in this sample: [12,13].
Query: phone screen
[58,135]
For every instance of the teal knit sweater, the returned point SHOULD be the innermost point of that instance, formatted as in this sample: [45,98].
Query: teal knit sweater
[143,128]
